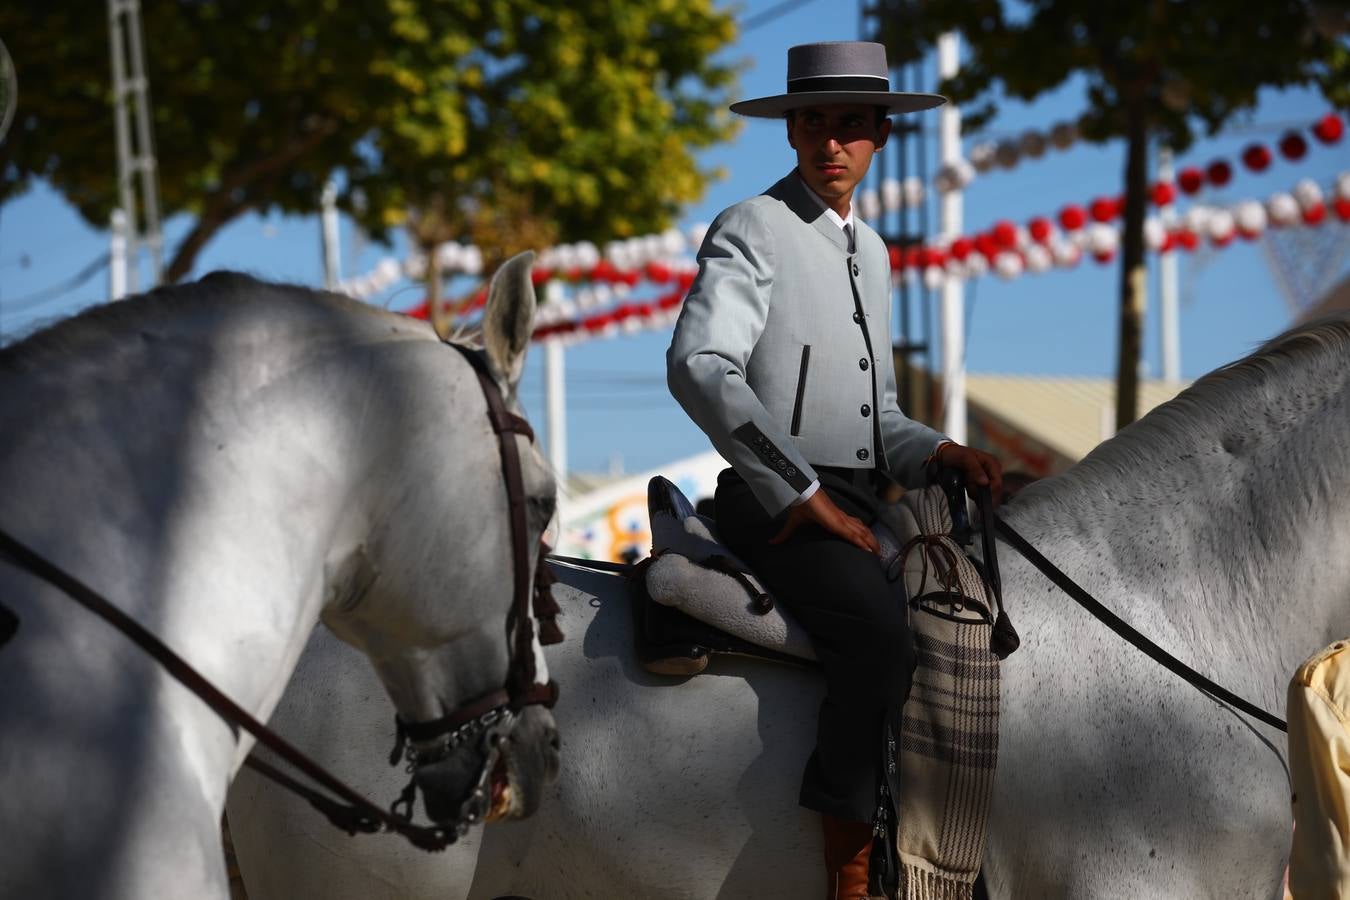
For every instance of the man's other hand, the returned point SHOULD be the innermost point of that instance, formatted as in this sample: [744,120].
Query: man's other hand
[820,510]
[980,468]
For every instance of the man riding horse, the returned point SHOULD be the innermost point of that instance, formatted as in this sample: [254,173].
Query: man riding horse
[782,355]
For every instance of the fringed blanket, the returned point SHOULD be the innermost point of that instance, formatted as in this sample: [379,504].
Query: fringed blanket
[949,737]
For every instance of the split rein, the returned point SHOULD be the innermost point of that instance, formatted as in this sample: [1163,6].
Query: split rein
[488,719]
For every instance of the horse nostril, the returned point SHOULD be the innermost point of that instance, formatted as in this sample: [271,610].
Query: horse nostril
[554,739]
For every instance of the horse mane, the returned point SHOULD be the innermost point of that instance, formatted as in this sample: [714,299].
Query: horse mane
[105,323]
[1215,414]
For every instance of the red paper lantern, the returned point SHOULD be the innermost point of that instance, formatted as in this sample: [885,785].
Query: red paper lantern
[1005,234]
[1256,157]
[1342,206]
[961,248]
[1329,128]
[986,244]
[1191,179]
[1072,218]
[1169,242]
[1163,193]
[539,276]
[1040,229]
[1292,146]
[1103,209]
[912,258]
[897,258]
[1223,241]
[1105,256]
[1187,240]
[1219,173]
[1314,214]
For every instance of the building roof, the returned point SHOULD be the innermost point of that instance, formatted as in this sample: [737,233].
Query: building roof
[1067,415]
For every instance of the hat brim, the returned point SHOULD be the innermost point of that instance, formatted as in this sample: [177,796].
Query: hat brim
[894,101]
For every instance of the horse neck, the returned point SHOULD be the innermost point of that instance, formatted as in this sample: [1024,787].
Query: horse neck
[220,530]
[1221,517]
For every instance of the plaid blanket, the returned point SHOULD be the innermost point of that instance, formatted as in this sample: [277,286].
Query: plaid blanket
[948,745]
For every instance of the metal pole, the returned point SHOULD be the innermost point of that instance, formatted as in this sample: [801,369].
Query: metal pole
[953,321]
[1167,284]
[122,126]
[117,256]
[328,235]
[555,400]
[145,143]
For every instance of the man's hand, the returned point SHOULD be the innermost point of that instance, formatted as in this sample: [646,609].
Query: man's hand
[820,510]
[979,467]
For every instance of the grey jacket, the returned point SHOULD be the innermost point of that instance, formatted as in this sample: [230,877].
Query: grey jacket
[782,353]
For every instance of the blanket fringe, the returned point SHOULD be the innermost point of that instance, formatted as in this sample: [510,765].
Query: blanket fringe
[925,884]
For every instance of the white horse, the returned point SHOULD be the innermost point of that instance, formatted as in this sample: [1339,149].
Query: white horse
[230,461]
[1218,525]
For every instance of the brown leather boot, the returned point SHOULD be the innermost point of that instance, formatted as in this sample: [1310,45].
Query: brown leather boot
[847,848]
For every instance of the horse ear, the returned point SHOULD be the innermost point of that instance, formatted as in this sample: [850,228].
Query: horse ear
[509,317]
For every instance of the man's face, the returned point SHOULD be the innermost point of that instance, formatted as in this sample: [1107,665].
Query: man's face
[835,145]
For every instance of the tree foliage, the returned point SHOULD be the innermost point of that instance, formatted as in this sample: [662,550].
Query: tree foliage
[1154,71]
[510,121]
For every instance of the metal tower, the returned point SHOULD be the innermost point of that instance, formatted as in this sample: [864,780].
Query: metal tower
[135,151]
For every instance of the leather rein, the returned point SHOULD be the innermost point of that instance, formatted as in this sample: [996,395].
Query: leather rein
[487,719]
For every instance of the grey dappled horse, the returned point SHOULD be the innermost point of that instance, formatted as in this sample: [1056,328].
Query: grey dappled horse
[1218,525]
[229,462]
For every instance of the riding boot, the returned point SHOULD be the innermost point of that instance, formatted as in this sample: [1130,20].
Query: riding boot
[848,845]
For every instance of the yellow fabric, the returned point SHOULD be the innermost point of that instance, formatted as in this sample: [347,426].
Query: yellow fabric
[1319,761]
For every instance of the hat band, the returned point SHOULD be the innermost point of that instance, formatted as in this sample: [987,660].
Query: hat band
[839,83]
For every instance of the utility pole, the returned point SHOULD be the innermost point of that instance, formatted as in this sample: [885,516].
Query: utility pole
[1167,283]
[328,236]
[117,256]
[555,399]
[135,151]
[953,319]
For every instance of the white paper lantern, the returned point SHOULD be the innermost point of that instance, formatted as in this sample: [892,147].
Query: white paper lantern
[1282,209]
[472,262]
[947,179]
[1343,186]
[1220,225]
[1022,237]
[1008,265]
[1038,258]
[588,257]
[614,252]
[653,248]
[1196,219]
[965,173]
[1063,135]
[1308,193]
[934,277]
[672,242]
[585,298]
[956,268]
[976,265]
[697,232]
[982,156]
[1155,233]
[1250,217]
[1067,253]
[1102,238]
[1032,144]
[415,266]
[447,256]
[1005,154]
[913,191]
[890,194]
[869,204]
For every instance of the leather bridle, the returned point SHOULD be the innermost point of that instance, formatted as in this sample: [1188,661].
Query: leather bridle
[486,721]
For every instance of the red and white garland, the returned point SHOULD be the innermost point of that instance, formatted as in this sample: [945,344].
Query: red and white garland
[1257,157]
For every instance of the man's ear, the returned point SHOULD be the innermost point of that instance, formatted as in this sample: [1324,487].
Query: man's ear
[883,133]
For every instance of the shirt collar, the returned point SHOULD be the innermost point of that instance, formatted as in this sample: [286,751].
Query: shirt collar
[829,213]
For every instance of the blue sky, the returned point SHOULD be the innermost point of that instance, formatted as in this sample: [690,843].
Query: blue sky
[619,414]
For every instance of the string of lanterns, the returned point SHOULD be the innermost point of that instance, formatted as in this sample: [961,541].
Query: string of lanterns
[1006,154]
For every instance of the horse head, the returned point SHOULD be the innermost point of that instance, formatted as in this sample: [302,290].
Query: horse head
[438,597]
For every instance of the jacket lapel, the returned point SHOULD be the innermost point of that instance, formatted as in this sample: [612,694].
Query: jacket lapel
[794,194]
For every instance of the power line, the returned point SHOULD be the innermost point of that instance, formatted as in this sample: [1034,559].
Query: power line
[32,301]
[777,11]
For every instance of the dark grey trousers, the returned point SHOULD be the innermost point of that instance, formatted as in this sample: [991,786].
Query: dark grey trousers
[858,624]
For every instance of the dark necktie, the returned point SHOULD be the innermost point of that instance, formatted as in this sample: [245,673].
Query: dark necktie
[848,236]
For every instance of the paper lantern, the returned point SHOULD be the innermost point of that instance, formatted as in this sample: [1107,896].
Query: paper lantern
[869,204]
[934,277]
[1066,253]
[982,156]
[1005,234]
[1008,265]
[1103,209]
[897,258]
[1040,229]
[1315,214]
[1072,218]
[1102,239]
[1250,218]
[1342,207]
[1219,173]
[1308,193]
[1155,235]
[1282,209]
[1187,240]
[1032,144]
[890,194]
[1343,185]
[1063,135]
[1220,225]
[1005,154]
[1292,146]
[1038,258]
[1329,128]
[961,248]
[699,230]
[1197,219]
[1162,193]
[1105,256]
[976,265]
[912,190]
[985,243]
[1256,157]
[1190,180]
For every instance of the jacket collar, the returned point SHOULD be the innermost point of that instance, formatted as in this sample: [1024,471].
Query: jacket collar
[796,196]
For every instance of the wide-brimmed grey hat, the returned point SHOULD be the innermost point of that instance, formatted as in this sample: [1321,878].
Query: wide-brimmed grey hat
[837,72]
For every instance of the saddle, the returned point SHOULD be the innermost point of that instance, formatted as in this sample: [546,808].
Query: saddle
[697,600]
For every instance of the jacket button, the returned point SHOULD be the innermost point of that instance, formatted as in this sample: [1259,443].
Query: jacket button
[863,454]
[855,268]
[863,364]
[866,410]
[857,318]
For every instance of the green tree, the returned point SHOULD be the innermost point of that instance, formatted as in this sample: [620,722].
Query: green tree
[511,121]
[1155,71]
